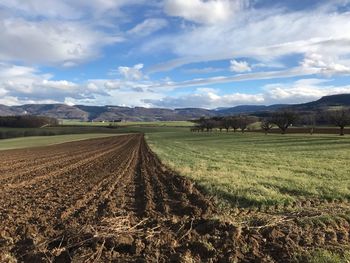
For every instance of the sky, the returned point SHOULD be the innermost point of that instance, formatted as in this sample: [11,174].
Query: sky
[173,53]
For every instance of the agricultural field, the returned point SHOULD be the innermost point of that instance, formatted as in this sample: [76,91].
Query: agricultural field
[256,169]
[6,133]
[37,141]
[129,124]
[211,197]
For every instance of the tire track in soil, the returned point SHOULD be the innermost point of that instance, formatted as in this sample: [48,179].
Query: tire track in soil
[118,203]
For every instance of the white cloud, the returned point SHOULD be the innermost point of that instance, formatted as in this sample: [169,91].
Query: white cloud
[262,34]
[67,9]
[148,26]
[326,65]
[64,43]
[60,32]
[203,70]
[207,100]
[207,12]
[122,96]
[132,73]
[20,84]
[304,90]
[239,66]
[288,73]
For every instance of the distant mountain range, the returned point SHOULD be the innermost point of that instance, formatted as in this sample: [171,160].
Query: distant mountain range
[99,113]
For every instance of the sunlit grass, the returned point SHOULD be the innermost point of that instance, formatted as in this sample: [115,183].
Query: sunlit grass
[254,169]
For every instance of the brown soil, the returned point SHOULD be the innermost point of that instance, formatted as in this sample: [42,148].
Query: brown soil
[111,200]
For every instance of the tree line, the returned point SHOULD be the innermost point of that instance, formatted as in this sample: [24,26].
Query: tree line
[282,120]
[27,121]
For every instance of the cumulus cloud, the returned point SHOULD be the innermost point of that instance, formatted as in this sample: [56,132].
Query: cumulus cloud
[300,91]
[59,32]
[208,100]
[206,12]
[132,73]
[148,27]
[26,84]
[326,65]
[303,90]
[239,66]
[65,43]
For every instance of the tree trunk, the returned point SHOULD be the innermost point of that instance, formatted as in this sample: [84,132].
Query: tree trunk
[311,131]
[341,130]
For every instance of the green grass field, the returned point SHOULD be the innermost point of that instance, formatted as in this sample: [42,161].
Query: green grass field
[35,141]
[254,169]
[130,124]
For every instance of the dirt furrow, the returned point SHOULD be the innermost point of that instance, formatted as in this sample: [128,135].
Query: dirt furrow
[16,178]
[117,202]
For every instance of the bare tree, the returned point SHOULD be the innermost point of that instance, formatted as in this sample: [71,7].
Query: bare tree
[310,121]
[234,123]
[340,118]
[226,123]
[218,123]
[244,122]
[266,125]
[284,119]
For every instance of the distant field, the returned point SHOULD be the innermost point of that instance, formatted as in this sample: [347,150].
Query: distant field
[6,133]
[254,169]
[35,141]
[122,124]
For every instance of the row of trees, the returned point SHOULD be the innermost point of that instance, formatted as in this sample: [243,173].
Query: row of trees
[280,119]
[27,121]
[236,122]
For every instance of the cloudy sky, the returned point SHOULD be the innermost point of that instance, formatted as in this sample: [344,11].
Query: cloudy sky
[173,53]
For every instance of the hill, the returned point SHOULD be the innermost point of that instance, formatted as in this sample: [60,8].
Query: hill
[109,112]
[325,102]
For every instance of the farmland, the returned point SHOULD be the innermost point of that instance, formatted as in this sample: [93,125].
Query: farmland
[254,169]
[6,133]
[130,124]
[220,197]
[36,141]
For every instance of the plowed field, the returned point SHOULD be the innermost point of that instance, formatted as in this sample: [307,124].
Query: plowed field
[111,200]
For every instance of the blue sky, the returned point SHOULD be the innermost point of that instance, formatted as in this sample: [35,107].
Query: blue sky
[173,53]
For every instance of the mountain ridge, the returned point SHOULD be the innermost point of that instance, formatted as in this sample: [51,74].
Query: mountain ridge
[111,112]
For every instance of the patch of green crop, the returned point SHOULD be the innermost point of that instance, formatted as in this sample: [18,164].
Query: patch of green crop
[255,169]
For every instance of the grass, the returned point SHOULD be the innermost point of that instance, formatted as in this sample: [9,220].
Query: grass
[36,141]
[6,133]
[130,124]
[323,256]
[254,169]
